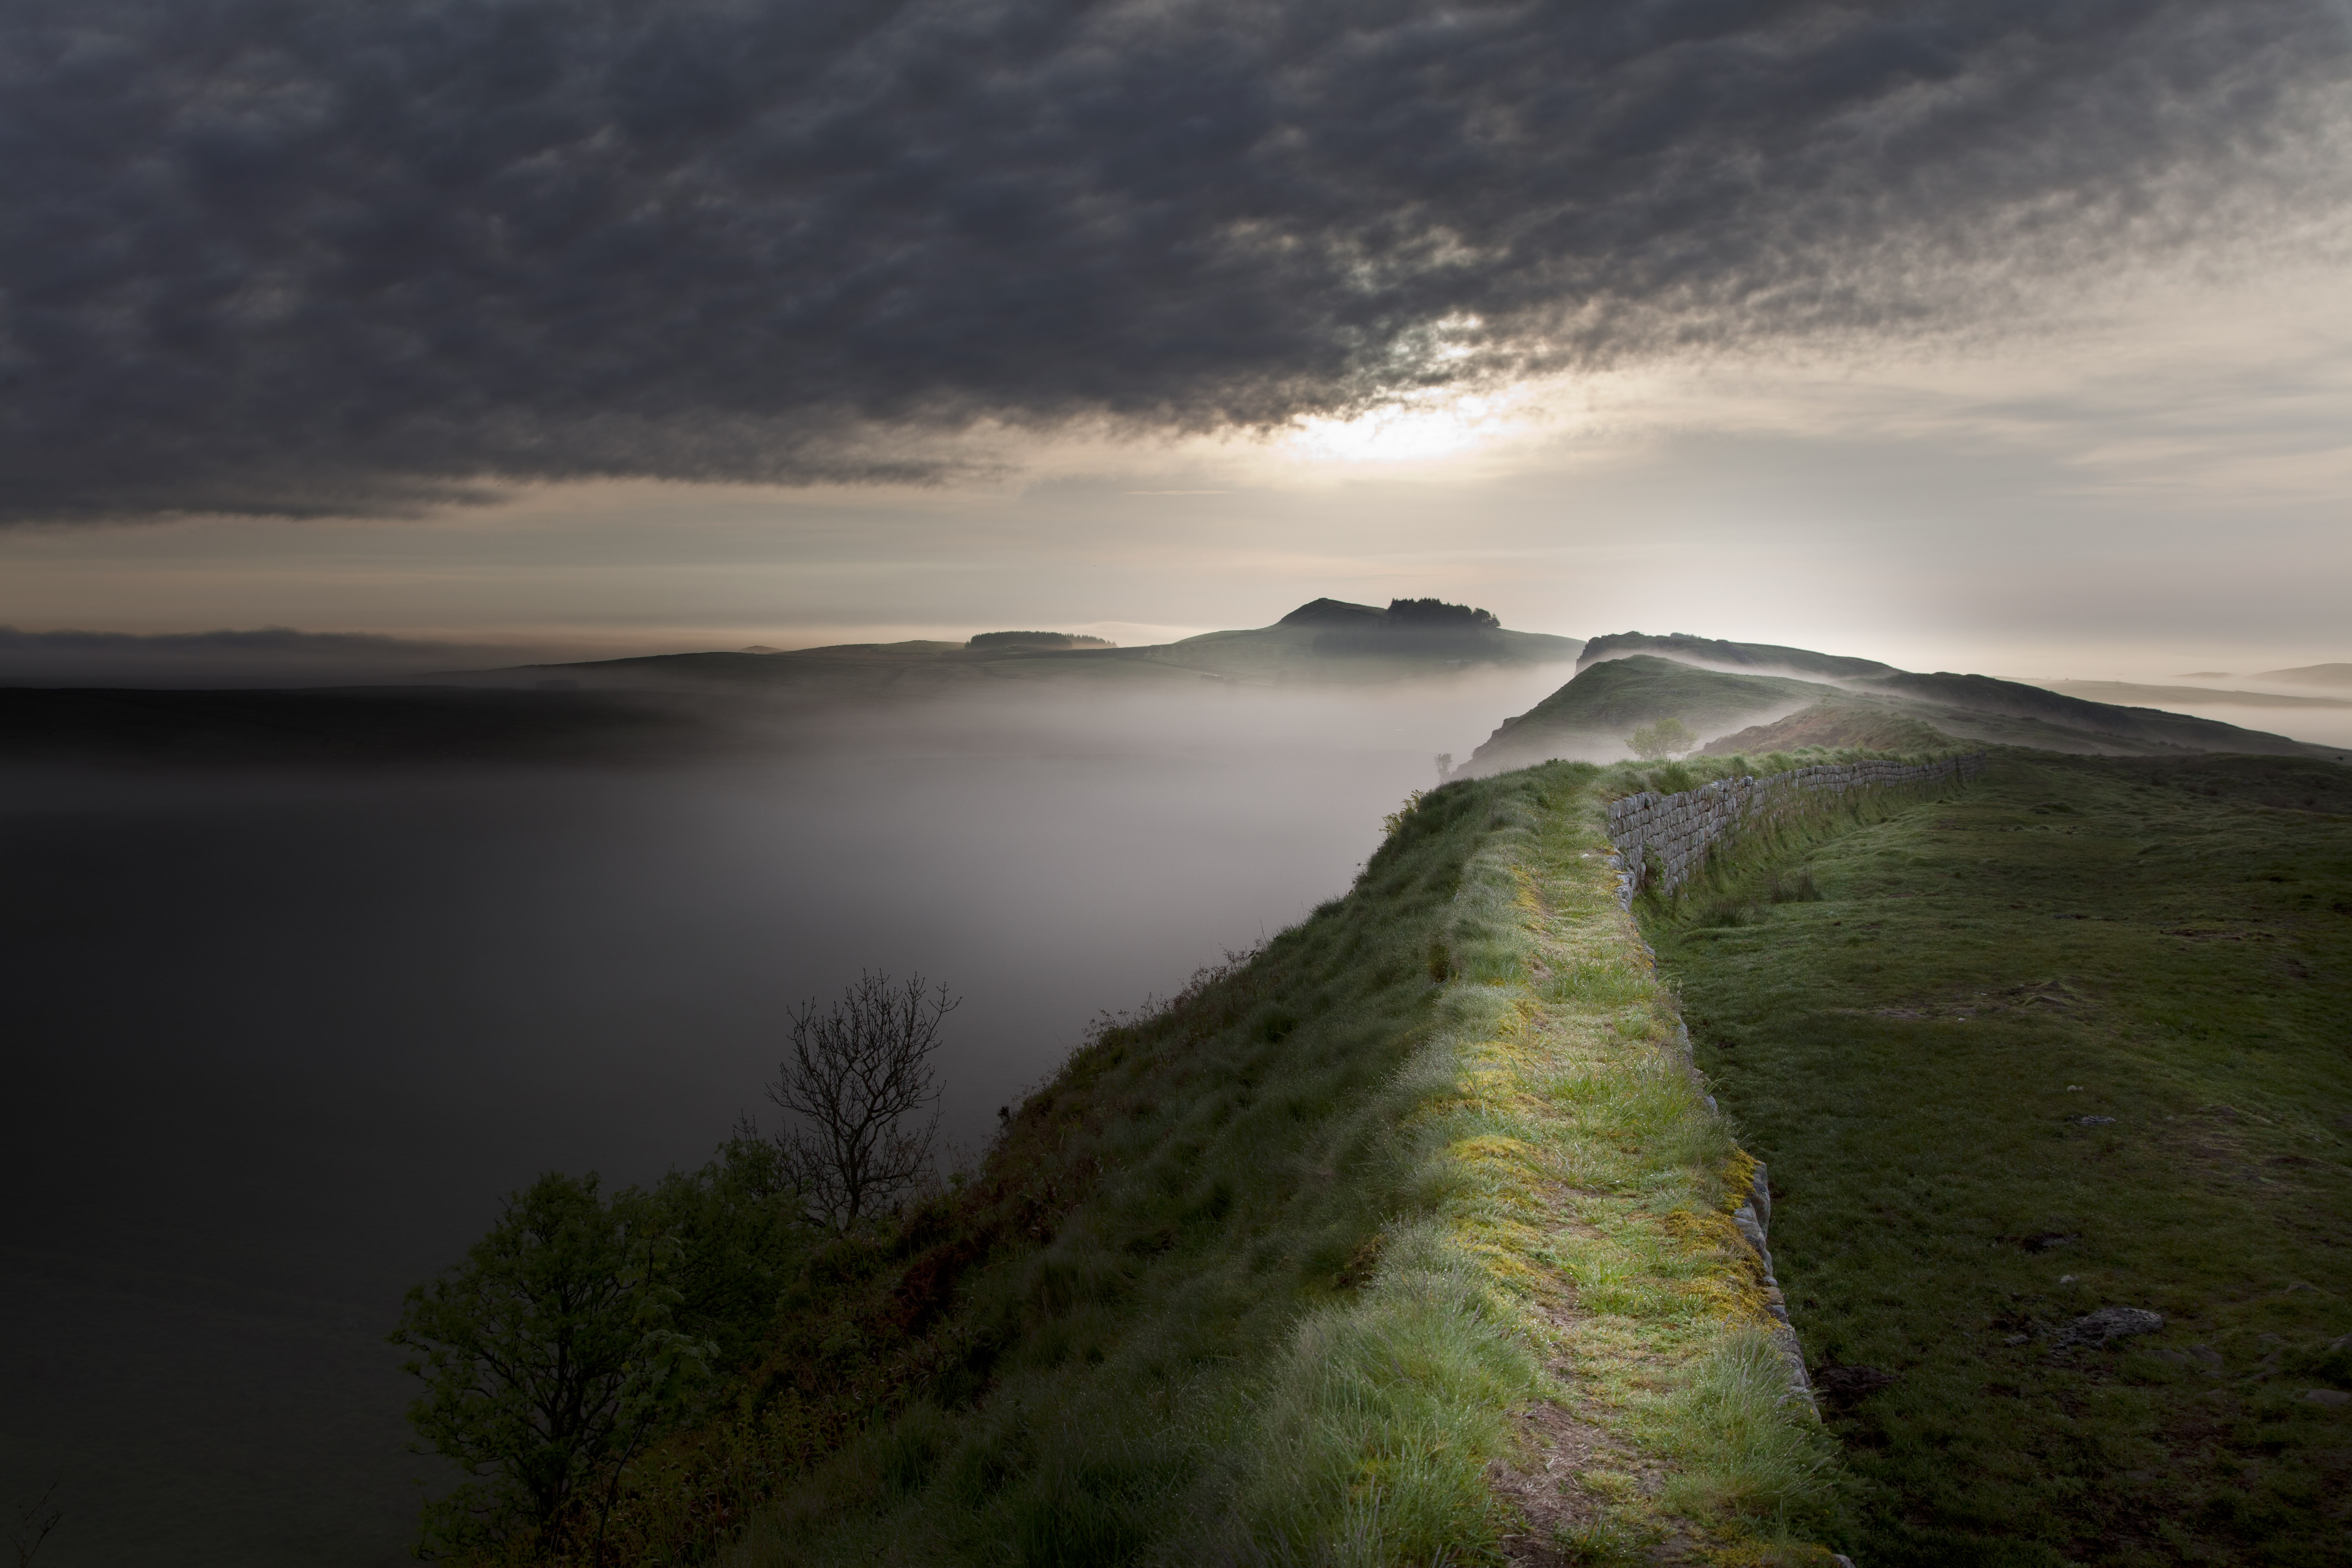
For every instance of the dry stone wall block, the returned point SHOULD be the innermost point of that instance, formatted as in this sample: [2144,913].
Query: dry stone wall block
[1677,830]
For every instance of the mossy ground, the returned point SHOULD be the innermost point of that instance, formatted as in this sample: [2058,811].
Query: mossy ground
[2077,1037]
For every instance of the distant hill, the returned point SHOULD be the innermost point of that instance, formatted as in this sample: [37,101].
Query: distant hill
[1964,699]
[1331,641]
[1633,679]
[2312,675]
[1711,653]
[1326,641]
[2135,696]
[1031,639]
[677,704]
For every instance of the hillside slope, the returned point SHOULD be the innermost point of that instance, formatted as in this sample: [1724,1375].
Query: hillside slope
[1408,1237]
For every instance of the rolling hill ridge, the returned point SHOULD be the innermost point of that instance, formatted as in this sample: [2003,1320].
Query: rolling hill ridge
[1323,642]
[1756,698]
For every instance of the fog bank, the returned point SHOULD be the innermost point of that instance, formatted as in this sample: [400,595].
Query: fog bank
[267,657]
[286,1038]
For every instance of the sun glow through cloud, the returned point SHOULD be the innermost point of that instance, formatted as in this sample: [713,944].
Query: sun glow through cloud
[1422,428]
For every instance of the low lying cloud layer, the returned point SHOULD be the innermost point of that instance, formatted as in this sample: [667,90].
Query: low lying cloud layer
[362,255]
[274,656]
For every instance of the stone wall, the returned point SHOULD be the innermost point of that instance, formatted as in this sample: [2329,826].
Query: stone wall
[1753,1221]
[1666,837]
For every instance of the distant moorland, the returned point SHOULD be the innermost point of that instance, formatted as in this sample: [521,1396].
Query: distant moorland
[1327,641]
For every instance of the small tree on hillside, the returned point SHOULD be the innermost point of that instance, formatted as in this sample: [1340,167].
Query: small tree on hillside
[1666,738]
[548,1358]
[855,1077]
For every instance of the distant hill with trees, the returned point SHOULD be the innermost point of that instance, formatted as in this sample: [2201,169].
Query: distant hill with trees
[1322,642]
[1035,639]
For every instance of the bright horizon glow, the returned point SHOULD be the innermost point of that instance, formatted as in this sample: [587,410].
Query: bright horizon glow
[2157,487]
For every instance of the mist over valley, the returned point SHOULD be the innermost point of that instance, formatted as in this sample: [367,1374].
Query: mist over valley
[319,1018]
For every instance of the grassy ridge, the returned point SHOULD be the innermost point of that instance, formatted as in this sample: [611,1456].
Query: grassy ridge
[2075,1039]
[1605,701]
[1872,706]
[1403,1240]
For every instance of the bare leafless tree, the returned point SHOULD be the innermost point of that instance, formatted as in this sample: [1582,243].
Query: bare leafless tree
[856,1079]
[34,1523]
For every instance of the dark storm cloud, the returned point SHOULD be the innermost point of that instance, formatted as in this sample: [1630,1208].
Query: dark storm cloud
[277,256]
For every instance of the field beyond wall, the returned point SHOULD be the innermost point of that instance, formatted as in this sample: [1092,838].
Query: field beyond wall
[2079,1037]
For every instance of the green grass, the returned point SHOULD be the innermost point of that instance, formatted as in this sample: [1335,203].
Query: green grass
[2166,943]
[1398,1241]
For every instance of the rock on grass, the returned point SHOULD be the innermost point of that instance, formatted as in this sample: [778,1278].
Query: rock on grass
[2107,1323]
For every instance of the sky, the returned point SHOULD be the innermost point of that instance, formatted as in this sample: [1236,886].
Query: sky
[1984,335]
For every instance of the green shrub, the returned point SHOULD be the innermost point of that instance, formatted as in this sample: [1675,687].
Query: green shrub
[548,1356]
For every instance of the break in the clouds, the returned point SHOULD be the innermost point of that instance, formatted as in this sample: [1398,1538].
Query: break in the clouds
[353,255]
